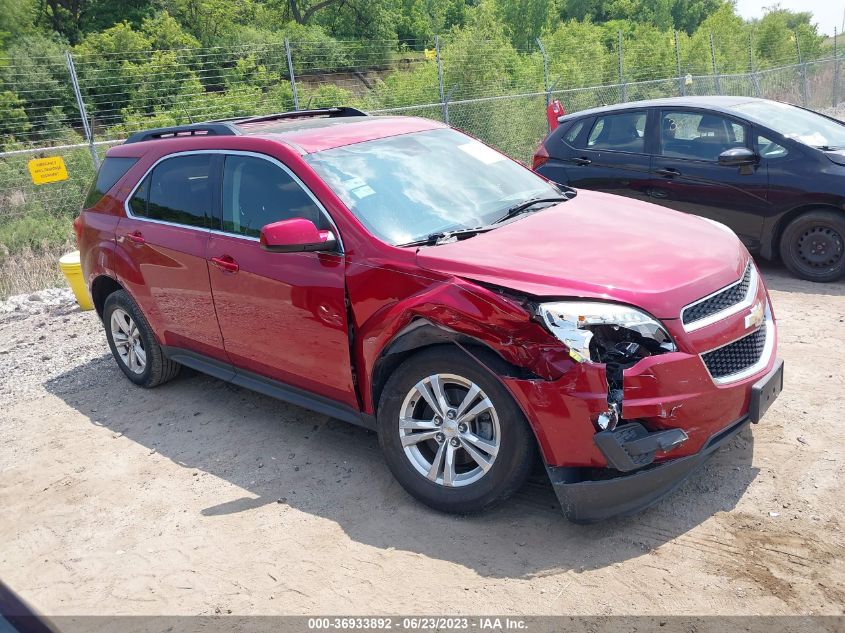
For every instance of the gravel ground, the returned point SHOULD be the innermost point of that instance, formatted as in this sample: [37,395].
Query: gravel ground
[201,498]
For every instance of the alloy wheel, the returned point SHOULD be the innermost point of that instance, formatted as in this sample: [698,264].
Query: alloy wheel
[127,341]
[449,430]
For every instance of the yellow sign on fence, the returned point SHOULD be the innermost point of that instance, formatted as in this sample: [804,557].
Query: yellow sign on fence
[44,170]
[431,53]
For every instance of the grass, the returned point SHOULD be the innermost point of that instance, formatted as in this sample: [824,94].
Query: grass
[30,248]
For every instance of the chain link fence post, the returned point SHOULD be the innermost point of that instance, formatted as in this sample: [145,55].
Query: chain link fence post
[546,87]
[89,135]
[755,80]
[682,90]
[802,68]
[444,105]
[292,76]
[835,96]
[715,67]
[622,84]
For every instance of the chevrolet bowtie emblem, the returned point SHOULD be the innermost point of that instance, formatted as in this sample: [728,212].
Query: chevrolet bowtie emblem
[754,319]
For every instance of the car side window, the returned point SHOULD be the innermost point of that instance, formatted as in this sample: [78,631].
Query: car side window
[573,132]
[624,132]
[257,192]
[698,135]
[769,149]
[178,190]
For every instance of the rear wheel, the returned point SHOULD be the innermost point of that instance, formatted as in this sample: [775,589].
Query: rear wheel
[133,344]
[813,246]
[451,433]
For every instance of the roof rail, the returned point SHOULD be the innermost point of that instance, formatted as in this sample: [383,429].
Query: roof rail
[212,128]
[339,111]
[226,127]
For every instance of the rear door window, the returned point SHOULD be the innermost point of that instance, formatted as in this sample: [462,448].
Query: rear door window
[623,132]
[178,190]
[112,170]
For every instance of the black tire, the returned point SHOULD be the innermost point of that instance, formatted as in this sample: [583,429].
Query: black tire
[517,450]
[158,369]
[812,246]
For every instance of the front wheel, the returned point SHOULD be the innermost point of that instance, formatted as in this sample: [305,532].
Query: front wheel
[813,246]
[451,433]
[133,344]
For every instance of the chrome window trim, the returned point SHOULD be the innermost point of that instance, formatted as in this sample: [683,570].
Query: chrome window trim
[335,232]
[765,355]
[750,296]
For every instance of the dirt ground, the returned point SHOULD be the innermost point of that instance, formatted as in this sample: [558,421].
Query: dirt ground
[201,498]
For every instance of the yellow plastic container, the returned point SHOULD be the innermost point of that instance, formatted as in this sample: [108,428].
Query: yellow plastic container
[73,273]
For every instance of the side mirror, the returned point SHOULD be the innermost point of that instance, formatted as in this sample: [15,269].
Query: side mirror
[297,235]
[737,157]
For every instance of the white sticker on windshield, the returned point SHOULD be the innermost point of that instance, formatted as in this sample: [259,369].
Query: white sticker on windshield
[363,192]
[481,152]
[353,183]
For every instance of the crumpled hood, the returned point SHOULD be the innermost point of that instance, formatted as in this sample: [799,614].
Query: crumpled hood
[601,246]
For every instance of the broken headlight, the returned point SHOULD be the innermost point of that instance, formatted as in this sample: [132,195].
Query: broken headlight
[605,332]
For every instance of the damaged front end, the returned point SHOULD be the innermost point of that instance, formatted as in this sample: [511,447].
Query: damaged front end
[615,335]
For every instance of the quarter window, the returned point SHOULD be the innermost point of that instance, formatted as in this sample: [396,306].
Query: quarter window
[623,132]
[257,192]
[769,149]
[697,135]
[112,170]
[573,132]
[178,191]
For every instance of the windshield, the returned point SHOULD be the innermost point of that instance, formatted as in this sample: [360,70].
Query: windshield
[404,188]
[795,123]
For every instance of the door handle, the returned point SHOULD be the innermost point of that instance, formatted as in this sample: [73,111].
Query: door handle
[582,161]
[668,172]
[136,237]
[226,263]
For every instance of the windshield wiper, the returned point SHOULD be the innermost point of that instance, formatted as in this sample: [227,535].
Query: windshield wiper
[828,148]
[525,205]
[436,238]
[441,236]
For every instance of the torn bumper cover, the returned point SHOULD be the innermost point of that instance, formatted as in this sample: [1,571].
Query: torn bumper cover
[595,500]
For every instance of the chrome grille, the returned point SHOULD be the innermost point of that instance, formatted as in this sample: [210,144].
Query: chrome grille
[722,300]
[736,357]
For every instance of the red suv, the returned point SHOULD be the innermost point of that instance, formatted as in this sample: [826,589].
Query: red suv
[400,275]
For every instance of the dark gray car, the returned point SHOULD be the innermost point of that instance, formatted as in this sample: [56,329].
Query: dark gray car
[774,173]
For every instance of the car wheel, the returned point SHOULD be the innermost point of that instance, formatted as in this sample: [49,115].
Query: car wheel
[813,246]
[132,342]
[451,433]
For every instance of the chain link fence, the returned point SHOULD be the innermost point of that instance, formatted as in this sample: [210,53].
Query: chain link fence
[78,105]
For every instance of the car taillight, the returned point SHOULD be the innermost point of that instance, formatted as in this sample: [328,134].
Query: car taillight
[541,157]
[77,228]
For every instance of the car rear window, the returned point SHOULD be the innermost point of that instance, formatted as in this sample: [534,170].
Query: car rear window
[624,132]
[111,171]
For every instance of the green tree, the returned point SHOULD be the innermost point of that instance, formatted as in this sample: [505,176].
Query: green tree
[775,33]
[686,15]
[36,71]
[524,20]
[104,63]
[13,119]
[164,32]
[17,18]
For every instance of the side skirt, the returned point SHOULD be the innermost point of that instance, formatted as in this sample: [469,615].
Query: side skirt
[268,386]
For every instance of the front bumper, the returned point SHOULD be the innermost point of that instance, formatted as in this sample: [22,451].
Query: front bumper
[631,447]
[595,500]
